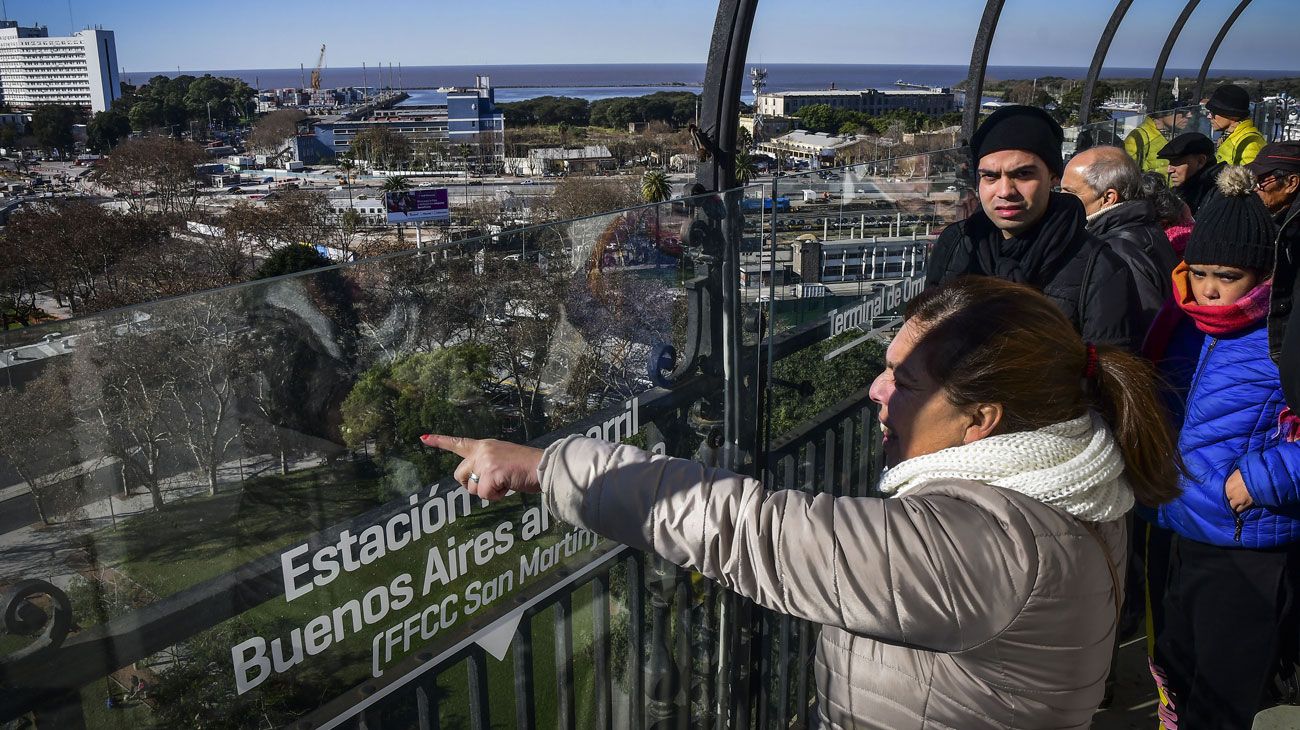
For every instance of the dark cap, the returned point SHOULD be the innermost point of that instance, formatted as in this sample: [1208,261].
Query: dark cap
[1019,127]
[1229,100]
[1281,156]
[1187,143]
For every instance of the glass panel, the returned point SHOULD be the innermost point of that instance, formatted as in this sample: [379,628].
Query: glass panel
[230,490]
[851,249]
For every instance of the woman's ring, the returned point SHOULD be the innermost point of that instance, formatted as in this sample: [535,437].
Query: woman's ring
[473,477]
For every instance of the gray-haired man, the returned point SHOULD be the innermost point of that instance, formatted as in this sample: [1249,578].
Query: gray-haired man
[1109,184]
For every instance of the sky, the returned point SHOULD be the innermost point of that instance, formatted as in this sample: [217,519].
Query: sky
[159,35]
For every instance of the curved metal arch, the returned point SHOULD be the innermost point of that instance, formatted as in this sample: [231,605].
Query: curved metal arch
[1099,57]
[979,61]
[1214,48]
[1158,74]
[720,98]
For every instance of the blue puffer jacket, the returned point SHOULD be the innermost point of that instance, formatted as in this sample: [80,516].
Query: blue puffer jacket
[1230,421]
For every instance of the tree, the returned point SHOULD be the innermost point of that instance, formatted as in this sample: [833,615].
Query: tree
[152,165]
[380,147]
[209,374]
[579,197]
[271,131]
[392,404]
[396,184]
[123,390]
[745,167]
[655,187]
[291,259]
[106,129]
[35,424]
[9,135]
[52,127]
[744,140]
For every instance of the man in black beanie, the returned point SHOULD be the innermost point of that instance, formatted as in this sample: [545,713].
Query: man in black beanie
[1024,232]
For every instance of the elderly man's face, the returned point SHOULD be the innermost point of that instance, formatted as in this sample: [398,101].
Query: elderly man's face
[1278,190]
[1015,187]
[1184,168]
[1075,184]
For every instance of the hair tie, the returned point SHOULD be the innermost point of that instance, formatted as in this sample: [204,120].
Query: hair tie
[1090,362]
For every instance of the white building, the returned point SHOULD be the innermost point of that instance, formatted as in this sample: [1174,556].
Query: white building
[818,148]
[78,70]
[868,101]
[567,160]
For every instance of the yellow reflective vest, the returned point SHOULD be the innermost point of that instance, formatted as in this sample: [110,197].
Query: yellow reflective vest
[1240,147]
[1143,143]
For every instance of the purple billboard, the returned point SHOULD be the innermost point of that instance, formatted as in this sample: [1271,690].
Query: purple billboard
[413,206]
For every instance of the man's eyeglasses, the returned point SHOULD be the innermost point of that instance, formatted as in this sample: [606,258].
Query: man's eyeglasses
[1263,181]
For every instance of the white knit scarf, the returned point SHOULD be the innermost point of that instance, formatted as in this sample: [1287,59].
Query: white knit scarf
[1074,466]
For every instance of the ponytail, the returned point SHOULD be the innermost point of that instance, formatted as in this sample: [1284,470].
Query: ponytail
[990,341]
[1124,392]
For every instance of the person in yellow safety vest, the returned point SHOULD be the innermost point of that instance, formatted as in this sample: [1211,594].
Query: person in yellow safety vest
[1144,143]
[1229,108]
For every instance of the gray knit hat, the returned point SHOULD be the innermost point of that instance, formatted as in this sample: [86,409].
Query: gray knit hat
[1233,228]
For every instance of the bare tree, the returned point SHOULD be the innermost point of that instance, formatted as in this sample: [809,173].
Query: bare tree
[272,131]
[158,166]
[208,377]
[35,424]
[123,387]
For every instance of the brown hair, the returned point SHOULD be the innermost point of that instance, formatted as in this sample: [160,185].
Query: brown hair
[985,340]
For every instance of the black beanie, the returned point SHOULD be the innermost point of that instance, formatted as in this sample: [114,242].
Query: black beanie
[1230,101]
[1020,127]
[1233,228]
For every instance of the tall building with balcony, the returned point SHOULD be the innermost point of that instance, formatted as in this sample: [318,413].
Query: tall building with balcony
[77,70]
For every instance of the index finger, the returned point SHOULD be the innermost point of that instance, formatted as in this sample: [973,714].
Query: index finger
[458,445]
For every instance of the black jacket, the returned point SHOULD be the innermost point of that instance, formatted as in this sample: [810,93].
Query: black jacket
[1131,230]
[1283,326]
[1075,269]
[1197,190]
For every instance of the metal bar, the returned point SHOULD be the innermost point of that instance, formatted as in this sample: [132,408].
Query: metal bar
[1214,48]
[724,77]
[866,472]
[848,435]
[979,61]
[525,685]
[830,450]
[1099,57]
[426,703]
[783,671]
[563,629]
[801,684]
[636,642]
[600,651]
[479,714]
[765,661]
[682,648]
[1159,72]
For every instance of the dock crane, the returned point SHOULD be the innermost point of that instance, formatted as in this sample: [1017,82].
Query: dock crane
[315,73]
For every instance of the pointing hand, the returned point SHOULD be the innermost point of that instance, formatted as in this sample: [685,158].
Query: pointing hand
[489,468]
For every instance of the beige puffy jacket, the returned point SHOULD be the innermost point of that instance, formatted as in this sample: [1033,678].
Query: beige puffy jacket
[960,605]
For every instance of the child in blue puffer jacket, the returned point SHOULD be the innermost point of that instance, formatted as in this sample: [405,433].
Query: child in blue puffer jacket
[1233,570]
